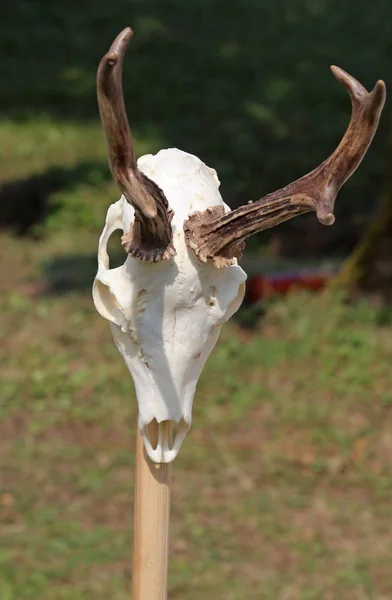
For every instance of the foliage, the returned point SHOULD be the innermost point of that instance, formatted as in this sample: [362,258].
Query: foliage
[368,268]
[244,85]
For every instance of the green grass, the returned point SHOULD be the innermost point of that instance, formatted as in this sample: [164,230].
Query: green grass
[282,489]
[72,153]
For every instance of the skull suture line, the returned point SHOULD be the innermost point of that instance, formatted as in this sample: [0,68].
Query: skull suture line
[181,281]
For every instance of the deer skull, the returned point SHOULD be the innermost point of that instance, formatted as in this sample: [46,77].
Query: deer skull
[180,281]
[166,316]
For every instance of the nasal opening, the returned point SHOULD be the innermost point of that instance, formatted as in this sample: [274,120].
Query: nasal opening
[163,440]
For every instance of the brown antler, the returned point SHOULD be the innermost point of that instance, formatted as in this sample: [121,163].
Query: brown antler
[221,237]
[150,237]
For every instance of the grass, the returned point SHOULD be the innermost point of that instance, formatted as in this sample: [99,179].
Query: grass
[282,489]
[62,164]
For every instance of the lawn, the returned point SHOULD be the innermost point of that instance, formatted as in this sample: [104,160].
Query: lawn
[282,490]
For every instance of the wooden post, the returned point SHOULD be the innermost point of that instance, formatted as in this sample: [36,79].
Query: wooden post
[151,523]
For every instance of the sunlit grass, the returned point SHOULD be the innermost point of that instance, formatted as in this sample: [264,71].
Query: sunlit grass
[282,488]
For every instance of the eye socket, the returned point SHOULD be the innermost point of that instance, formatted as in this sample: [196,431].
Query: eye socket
[113,222]
[115,251]
[106,279]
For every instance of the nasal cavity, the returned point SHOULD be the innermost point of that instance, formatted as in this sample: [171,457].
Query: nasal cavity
[163,440]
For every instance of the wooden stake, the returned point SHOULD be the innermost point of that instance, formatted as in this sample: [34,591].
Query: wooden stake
[151,523]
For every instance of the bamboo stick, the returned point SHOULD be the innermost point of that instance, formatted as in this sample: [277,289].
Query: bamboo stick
[151,523]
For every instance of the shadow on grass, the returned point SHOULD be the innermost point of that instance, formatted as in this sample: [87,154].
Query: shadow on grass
[25,203]
[63,274]
[69,274]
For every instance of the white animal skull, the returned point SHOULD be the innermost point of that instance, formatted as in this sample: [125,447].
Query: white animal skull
[166,316]
[181,280]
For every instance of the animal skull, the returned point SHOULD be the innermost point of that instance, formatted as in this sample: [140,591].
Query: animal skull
[181,281]
[166,316]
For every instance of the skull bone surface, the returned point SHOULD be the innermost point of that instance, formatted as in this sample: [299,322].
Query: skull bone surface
[166,316]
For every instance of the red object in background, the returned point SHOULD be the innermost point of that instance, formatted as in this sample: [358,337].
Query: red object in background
[260,287]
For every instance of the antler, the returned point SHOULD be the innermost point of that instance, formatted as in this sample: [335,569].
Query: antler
[150,237]
[221,237]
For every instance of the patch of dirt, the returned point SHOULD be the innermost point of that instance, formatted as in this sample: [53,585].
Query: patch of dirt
[14,426]
[90,435]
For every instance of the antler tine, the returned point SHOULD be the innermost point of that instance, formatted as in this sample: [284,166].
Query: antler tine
[150,236]
[221,237]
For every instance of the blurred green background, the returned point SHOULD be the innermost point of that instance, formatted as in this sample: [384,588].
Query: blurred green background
[282,490]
